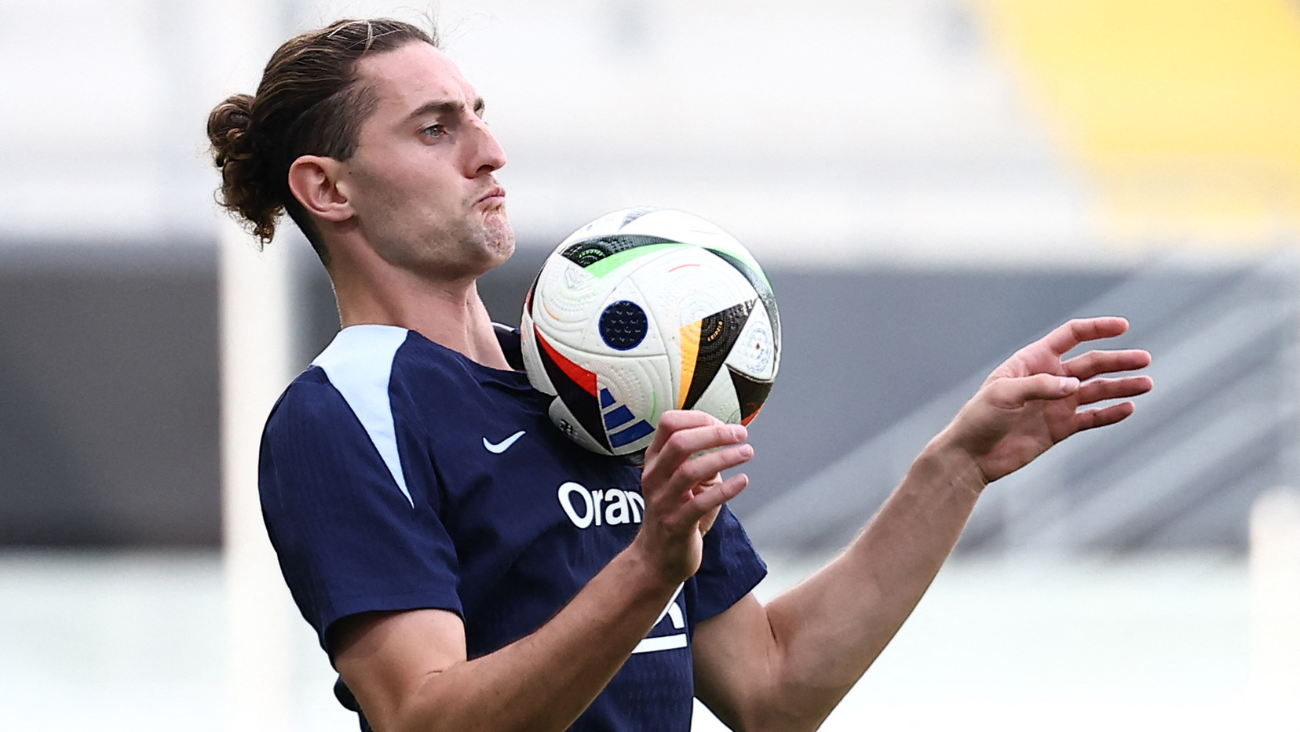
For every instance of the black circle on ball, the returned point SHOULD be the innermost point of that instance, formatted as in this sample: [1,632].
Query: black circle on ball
[623,325]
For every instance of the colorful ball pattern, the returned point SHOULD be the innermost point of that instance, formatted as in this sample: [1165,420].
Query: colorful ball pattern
[646,310]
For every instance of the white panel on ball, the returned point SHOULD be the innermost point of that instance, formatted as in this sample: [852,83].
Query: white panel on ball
[719,399]
[755,352]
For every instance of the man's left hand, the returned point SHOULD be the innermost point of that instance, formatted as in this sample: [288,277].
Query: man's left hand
[1034,399]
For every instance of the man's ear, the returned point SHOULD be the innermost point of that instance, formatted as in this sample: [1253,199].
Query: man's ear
[314,181]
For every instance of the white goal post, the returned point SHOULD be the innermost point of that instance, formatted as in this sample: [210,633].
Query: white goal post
[256,346]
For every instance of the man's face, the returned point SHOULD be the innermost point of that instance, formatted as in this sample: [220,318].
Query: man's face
[421,181]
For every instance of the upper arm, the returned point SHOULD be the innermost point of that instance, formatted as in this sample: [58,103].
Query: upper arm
[734,654]
[347,539]
[384,658]
[733,645]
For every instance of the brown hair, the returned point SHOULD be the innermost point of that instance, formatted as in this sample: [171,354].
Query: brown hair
[308,103]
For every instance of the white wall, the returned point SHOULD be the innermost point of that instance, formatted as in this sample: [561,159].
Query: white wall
[817,131]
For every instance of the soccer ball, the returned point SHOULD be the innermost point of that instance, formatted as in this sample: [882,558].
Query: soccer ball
[646,310]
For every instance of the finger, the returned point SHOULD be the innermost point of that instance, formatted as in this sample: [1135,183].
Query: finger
[675,420]
[1071,334]
[678,447]
[1094,418]
[681,445]
[717,494]
[704,484]
[699,474]
[1093,363]
[1102,389]
[1012,393]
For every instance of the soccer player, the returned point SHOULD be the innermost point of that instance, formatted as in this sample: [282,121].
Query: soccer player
[465,565]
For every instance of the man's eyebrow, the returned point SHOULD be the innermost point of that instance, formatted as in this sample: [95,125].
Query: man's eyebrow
[447,107]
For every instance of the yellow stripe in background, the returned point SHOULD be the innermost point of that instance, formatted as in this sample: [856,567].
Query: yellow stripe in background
[690,335]
[1185,113]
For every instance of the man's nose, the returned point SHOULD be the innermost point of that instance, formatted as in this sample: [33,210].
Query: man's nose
[485,154]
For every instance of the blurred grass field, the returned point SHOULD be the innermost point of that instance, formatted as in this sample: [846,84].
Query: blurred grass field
[134,641]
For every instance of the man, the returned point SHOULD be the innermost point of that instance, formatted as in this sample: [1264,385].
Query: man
[444,578]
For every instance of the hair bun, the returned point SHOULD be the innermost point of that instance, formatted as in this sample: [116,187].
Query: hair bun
[229,125]
[246,188]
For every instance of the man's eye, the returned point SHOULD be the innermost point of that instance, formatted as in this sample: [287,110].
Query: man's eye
[434,131]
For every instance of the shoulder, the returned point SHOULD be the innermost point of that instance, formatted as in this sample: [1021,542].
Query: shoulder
[309,399]
[341,407]
[362,356]
[354,370]
[368,374]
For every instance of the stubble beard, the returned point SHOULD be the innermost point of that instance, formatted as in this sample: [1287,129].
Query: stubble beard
[494,237]
[475,246]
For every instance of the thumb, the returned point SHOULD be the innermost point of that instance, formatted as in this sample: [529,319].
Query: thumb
[1013,393]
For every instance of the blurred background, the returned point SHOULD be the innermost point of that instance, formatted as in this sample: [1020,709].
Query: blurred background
[929,184]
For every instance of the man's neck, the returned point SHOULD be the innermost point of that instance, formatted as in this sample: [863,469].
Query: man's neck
[449,313]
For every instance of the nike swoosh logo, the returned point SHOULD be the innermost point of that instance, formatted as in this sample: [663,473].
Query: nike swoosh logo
[503,445]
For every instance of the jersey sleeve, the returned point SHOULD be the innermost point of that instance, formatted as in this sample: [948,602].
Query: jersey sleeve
[349,540]
[730,568]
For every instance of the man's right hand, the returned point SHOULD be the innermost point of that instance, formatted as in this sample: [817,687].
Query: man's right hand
[684,489]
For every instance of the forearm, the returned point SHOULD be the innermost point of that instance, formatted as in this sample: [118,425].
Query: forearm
[809,646]
[827,631]
[545,680]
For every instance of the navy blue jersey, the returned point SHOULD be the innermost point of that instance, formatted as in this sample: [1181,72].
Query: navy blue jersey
[397,474]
